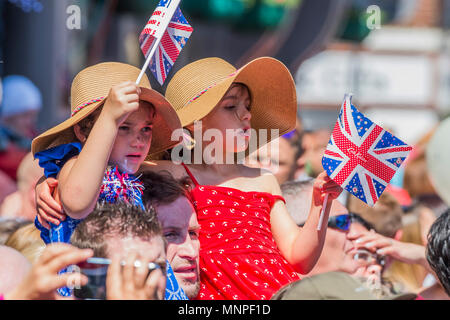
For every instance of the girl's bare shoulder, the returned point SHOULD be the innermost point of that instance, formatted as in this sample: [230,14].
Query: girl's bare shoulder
[257,173]
[260,179]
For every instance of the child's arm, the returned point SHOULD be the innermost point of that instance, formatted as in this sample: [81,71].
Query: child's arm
[302,246]
[81,177]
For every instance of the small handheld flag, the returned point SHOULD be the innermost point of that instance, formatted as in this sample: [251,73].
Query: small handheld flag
[361,156]
[163,38]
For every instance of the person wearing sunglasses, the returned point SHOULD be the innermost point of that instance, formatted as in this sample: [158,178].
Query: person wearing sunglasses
[372,264]
[338,250]
[344,222]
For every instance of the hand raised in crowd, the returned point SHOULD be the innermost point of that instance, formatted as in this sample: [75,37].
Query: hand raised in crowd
[48,209]
[323,185]
[402,251]
[43,279]
[122,100]
[134,283]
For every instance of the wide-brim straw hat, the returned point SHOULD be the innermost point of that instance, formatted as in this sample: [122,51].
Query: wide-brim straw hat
[90,89]
[197,88]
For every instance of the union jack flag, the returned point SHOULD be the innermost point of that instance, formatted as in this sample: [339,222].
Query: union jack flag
[361,156]
[172,42]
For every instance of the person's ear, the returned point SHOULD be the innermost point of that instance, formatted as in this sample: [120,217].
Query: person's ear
[398,234]
[79,133]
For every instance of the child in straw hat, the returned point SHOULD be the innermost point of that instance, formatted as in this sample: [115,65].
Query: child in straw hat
[249,245]
[96,152]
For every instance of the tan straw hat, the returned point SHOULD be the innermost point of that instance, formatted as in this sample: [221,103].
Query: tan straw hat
[197,88]
[89,90]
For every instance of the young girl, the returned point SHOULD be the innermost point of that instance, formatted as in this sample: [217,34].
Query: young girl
[110,130]
[95,153]
[249,245]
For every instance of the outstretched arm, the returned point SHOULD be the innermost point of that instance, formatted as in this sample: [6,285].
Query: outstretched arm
[302,246]
[402,251]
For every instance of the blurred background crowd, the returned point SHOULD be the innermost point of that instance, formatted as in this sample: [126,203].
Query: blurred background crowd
[396,64]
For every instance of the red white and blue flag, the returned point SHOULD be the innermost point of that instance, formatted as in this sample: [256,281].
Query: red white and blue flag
[172,42]
[361,156]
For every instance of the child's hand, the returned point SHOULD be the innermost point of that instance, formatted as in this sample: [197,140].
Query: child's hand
[324,185]
[122,100]
[47,208]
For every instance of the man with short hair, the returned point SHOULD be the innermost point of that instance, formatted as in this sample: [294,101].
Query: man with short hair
[338,250]
[339,253]
[121,230]
[178,218]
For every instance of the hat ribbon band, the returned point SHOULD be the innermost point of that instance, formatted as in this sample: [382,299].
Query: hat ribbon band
[82,106]
[211,86]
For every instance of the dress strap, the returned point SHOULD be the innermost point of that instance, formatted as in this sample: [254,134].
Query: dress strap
[277,197]
[190,175]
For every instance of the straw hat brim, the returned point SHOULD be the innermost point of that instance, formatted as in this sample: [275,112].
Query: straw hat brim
[273,97]
[164,123]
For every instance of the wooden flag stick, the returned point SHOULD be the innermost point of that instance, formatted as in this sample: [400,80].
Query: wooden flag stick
[147,61]
[162,26]
[322,212]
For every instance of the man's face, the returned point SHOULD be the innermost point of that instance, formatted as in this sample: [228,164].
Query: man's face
[278,157]
[337,254]
[369,267]
[152,249]
[180,228]
[314,145]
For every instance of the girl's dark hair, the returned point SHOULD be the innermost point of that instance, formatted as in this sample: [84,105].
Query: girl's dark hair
[163,188]
[87,123]
[438,249]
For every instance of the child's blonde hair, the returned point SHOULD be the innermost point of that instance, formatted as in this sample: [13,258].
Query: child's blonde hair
[27,241]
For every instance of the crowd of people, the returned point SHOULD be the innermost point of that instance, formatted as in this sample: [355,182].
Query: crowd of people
[134,175]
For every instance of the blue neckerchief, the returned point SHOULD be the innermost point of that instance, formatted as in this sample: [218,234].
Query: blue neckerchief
[52,160]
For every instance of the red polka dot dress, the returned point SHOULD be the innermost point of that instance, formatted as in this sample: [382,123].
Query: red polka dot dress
[239,259]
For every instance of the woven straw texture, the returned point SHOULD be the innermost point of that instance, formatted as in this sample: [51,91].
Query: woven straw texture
[197,88]
[95,82]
